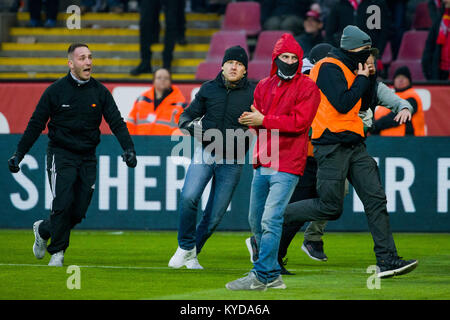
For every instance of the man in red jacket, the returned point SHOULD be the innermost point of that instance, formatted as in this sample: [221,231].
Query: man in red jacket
[283,109]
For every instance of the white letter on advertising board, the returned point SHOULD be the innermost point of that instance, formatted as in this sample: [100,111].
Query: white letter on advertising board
[106,182]
[443,184]
[402,186]
[173,182]
[27,184]
[141,182]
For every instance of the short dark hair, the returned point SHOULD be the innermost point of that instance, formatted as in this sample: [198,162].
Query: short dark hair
[73,46]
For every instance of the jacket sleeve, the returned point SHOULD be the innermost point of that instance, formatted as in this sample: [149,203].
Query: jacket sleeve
[36,124]
[196,108]
[332,82]
[115,121]
[388,99]
[302,114]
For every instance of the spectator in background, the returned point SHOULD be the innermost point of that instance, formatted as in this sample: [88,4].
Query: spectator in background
[313,32]
[384,123]
[116,6]
[181,22]
[436,56]
[157,110]
[325,7]
[51,11]
[149,33]
[354,12]
[284,14]
[398,9]
[435,8]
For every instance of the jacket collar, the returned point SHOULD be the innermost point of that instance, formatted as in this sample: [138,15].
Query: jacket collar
[339,54]
[239,84]
[75,83]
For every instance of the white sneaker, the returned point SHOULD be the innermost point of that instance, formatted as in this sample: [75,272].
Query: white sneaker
[57,259]
[186,258]
[193,264]
[40,245]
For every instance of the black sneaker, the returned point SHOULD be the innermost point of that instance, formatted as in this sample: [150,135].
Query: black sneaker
[314,250]
[284,271]
[395,267]
[252,248]
[141,68]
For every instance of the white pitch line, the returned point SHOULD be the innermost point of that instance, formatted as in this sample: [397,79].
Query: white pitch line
[110,267]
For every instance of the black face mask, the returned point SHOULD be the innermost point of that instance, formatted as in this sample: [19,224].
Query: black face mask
[358,57]
[286,71]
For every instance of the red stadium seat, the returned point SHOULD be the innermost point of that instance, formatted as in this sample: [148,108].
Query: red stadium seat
[422,19]
[266,42]
[415,66]
[208,70]
[259,69]
[222,40]
[386,58]
[413,43]
[243,16]
[259,66]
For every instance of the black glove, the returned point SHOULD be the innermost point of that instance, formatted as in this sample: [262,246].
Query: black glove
[129,156]
[14,161]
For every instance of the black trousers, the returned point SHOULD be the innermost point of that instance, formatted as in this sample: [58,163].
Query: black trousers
[150,28]
[35,7]
[72,182]
[335,164]
[305,189]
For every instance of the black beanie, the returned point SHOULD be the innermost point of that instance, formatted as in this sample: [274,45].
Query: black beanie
[319,51]
[236,53]
[404,71]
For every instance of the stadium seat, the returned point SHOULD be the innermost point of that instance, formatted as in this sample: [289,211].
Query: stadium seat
[258,69]
[415,66]
[259,66]
[207,70]
[243,16]
[386,58]
[265,43]
[413,43]
[222,40]
[422,19]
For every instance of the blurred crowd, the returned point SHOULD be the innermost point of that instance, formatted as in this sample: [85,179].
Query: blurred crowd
[310,21]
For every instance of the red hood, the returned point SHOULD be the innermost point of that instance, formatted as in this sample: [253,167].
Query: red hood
[286,43]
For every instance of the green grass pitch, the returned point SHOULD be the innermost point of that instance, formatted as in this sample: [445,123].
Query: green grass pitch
[133,265]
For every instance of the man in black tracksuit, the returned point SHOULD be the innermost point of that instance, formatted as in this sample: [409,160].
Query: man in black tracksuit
[75,105]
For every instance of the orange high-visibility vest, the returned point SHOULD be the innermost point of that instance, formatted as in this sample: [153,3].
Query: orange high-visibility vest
[145,120]
[327,116]
[418,118]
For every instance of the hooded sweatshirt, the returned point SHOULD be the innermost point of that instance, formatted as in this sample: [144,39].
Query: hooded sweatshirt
[289,107]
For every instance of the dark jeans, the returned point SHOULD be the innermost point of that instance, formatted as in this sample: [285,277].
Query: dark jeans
[305,189]
[72,182]
[335,164]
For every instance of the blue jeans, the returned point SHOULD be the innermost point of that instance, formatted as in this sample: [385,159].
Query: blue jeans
[225,178]
[270,194]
